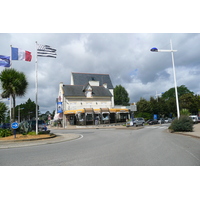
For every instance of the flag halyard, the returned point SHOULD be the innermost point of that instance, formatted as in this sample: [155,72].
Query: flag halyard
[46,51]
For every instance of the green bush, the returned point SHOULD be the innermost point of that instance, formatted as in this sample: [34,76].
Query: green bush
[39,133]
[31,133]
[5,132]
[44,132]
[183,124]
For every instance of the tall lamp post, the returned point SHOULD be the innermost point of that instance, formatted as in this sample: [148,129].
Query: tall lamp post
[154,49]
[19,114]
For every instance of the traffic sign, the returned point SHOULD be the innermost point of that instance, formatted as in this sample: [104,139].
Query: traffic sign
[14,125]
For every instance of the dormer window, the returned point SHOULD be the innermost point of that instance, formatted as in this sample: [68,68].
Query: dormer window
[88,94]
[88,90]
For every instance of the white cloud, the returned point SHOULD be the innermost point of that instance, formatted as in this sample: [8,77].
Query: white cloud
[126,57]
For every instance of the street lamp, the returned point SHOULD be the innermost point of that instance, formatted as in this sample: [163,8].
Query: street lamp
[154,49]
[30,115]
[19,114]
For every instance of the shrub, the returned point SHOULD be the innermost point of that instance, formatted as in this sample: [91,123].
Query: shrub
[44,132]
[31,133]
[184,124]
[5,132]
[39,133]
[185,112]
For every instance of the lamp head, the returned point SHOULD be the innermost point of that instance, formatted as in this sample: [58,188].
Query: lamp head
[154,49]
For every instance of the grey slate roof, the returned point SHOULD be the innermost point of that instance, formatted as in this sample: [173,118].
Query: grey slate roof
[84,78]
[77,90]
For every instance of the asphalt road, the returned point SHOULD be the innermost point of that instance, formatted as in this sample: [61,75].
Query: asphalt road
[149,146]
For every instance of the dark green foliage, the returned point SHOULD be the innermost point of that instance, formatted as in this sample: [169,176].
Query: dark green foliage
[144,115]
[165,106]
[13,83]
[27,110]
[44,132]
[5,132]
[3,109]
[183,124]
[171,92]
[39,133]
[121,96]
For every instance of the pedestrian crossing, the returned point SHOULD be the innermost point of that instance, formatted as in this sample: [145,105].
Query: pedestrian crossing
[164,126]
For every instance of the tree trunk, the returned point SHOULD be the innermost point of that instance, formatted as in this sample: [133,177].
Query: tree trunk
[13,115]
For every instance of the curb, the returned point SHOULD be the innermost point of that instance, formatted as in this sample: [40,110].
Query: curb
[186,134]
[35,142]
[22,140]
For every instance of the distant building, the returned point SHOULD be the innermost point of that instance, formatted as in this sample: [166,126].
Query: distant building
[88,100]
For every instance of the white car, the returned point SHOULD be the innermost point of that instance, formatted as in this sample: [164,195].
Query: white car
[194,118]
[168,120]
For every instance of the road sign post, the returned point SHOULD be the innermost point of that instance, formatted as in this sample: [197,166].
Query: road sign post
[14,126]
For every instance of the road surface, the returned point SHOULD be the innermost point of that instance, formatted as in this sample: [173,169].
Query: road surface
[149,146]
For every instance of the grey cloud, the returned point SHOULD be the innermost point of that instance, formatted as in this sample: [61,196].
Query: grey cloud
[126,57]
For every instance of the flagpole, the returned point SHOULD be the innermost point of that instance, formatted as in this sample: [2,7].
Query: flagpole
[10,94]
[36,87]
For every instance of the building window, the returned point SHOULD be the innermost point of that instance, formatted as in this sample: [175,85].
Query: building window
[88,94]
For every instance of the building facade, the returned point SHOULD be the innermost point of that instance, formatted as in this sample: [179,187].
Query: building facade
[88,100]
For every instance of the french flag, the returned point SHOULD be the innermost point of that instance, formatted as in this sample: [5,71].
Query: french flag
[19,54]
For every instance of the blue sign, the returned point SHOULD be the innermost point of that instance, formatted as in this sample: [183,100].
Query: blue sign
[59,108]
[155,116]
[14,125]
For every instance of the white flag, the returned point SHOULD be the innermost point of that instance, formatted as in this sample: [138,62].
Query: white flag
[46,51]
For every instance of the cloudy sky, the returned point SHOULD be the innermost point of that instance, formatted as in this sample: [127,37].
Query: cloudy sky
[114,39]
[126,57]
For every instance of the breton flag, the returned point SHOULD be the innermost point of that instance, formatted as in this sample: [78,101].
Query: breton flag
[19,54]
[46,51]
[4,61]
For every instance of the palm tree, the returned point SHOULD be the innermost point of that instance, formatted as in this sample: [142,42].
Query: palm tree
[14,84]
[3,109]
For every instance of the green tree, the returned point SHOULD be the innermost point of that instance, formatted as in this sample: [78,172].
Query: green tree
[121,96]
[158,106]
[14,83]
[190,102]
[144,106]
[3,109]
[27,110]
[180,90]
[170,98]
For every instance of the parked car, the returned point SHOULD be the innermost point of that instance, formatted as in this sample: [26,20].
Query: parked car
[168,120]
[194,118]
[41,125]
[5,126]
[161,121]
[152,121]
[138,121]
[198,119]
